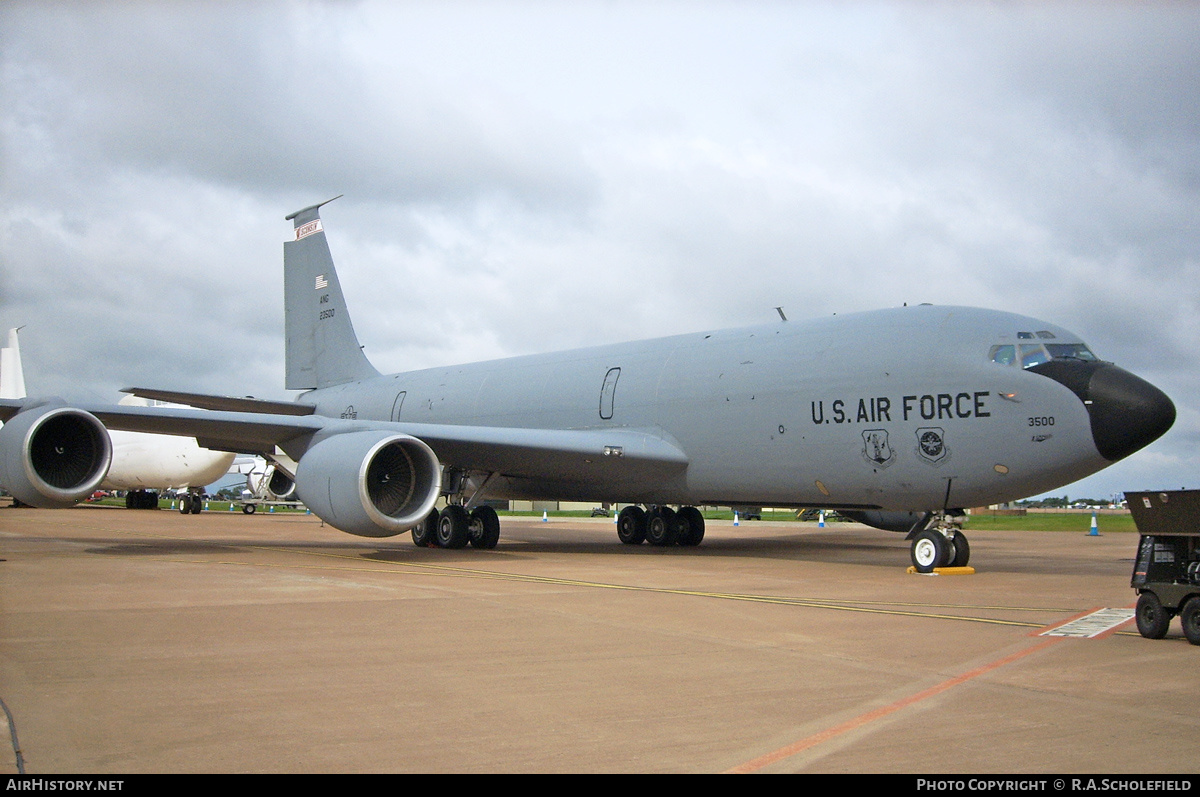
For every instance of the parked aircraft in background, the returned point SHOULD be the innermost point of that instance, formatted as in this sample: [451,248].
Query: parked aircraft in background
[149,465]
[144,465]
[12,376]
[900,418]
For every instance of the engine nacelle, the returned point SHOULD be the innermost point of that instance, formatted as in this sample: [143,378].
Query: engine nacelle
[371,483]
[52,456]
[280,485]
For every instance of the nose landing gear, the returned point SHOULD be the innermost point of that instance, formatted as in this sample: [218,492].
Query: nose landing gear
[941,545]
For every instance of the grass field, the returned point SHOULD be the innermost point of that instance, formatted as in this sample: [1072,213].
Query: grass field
[1053,522]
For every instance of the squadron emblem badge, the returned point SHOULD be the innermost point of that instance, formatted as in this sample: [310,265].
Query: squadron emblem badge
[931,445]
[876,449]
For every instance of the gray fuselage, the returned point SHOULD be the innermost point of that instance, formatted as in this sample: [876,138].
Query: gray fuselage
[896,409]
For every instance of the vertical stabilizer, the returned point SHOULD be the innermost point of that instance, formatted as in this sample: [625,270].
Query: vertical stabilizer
[12,379]
[322,349]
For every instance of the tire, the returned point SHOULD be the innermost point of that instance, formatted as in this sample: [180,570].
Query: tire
[249,509]
[185,504]
[930,550]
[662,526]
[691,526]
[1190,617]
[1152,619]
[631,525]
[485,528]
[962,550]
[424,535]
[454,527]
[197,504]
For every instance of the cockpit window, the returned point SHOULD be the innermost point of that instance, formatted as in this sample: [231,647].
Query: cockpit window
[1004,354]
[1031,354]
[1074,350]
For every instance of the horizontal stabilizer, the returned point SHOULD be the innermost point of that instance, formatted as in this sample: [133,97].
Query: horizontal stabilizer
[205,401]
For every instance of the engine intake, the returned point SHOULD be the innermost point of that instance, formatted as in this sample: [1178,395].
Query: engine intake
[371,483]
[52,456]
[280,485]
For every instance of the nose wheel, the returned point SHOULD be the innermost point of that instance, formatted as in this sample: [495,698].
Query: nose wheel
[939,547]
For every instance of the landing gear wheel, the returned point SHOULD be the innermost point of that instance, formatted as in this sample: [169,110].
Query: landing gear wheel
[197,504]
[930,550]
[425,534]
[662,526]
[631,525]
[453,527]
[1190,617]
[248,508]
[962,550]
[185,504]
[691,526]
[485,528]
[1152,618]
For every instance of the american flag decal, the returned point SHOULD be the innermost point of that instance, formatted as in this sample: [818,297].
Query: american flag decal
[322,283]
[308,229]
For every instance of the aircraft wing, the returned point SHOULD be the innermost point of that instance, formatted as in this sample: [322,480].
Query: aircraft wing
[558,454]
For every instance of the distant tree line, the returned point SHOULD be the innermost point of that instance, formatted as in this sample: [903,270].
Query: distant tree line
[1065,502]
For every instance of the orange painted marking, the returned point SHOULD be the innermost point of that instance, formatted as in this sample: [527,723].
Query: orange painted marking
[812,741]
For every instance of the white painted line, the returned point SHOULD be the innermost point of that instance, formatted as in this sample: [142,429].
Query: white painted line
[1092,625]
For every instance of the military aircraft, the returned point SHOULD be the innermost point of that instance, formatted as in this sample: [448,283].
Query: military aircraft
[899,418]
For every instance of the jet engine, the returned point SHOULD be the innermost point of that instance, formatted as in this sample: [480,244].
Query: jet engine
[370,483]
[52,456]
[280,485]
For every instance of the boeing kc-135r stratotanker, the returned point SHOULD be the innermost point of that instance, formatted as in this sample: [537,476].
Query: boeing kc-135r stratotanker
[898,418]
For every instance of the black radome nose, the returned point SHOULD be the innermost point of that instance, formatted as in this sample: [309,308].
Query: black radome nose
[1127,412]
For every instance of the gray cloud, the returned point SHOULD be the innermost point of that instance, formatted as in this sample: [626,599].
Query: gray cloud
[522,177]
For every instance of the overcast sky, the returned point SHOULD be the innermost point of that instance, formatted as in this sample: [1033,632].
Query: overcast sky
[522,177]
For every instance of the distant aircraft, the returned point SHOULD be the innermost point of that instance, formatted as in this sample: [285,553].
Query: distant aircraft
[144,465]
[900,418]
[12,376]
[149,465]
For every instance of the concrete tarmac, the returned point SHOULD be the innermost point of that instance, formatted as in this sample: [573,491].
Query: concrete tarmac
[149,641]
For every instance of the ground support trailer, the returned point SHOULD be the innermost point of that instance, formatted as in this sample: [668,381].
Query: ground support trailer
[1166,573]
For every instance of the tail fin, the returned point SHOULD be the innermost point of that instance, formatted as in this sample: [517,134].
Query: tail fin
[322,349]
[12,379]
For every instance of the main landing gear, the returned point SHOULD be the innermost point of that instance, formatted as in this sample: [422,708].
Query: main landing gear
[941,545]
[190,503]
[660,525]
[455,527]
[458,525]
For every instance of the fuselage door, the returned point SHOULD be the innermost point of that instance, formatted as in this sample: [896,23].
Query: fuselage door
[608,393]
[398,404]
